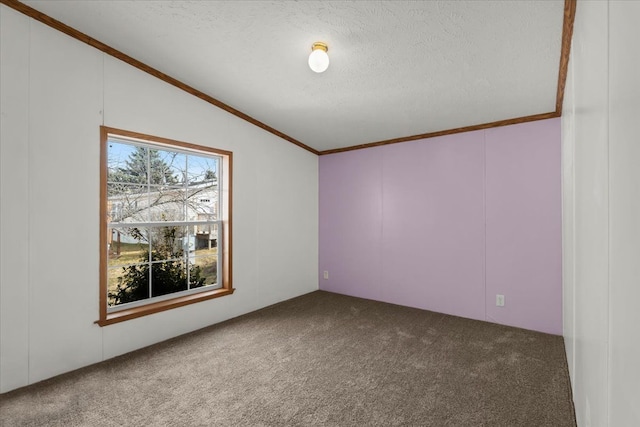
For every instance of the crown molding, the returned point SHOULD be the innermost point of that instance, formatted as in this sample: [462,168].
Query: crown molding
[499,123]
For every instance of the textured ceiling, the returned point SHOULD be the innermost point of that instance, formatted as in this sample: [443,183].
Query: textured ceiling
[398,68]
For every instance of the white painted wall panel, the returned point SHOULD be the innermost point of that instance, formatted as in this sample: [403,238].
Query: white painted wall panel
[287,230]
[133,100]
[602,202]
[14,182]
[73,89]
[246,142]
[592,214]
[65,99]
[568,221]
[624,154]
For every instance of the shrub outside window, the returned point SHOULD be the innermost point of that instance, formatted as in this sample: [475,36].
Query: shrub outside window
[165,224]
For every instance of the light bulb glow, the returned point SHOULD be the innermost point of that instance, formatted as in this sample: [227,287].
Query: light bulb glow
[318,59]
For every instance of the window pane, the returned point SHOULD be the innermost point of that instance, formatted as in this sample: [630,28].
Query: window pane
[202,170]
[168,243]
[127,203]
[203,270]
[202,203]
[127,284]
[168,168]
[205,238]
[126,163]
[168,277]
[166,204]
[203,260]
[127,246]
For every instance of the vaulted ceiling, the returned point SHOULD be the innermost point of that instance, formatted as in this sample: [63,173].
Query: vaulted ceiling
[399,69]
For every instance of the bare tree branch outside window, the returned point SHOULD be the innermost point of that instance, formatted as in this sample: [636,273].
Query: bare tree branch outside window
[148,187]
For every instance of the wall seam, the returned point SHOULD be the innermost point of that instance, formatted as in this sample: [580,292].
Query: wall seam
[1,329]
[608,142]
[29,183]
[102,113]
[573,220]
[382,264]
[99,218]
[1,263]
[484,213]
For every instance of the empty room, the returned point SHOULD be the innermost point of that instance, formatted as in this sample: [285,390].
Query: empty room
[320,213]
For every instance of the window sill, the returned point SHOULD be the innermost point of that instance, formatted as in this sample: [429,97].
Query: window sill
[156,307]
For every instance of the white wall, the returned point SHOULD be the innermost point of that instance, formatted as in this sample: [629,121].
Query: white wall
[624,214]
[55,93]
[601,218]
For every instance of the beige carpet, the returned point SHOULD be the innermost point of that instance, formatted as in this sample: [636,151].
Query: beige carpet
[320,359]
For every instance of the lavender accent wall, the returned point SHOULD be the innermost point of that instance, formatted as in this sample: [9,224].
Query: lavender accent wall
[446,223]
[524,225]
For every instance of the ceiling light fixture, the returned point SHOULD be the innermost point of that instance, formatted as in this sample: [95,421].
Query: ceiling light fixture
[318,59]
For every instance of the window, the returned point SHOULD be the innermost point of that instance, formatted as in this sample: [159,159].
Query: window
[165,224]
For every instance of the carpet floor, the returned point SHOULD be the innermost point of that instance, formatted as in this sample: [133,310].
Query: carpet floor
[319,359]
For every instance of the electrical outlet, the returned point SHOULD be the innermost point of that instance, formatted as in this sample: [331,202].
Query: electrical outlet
[500,300]
[326,275]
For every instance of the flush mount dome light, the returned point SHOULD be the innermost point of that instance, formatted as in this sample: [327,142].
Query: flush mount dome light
[318,59]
